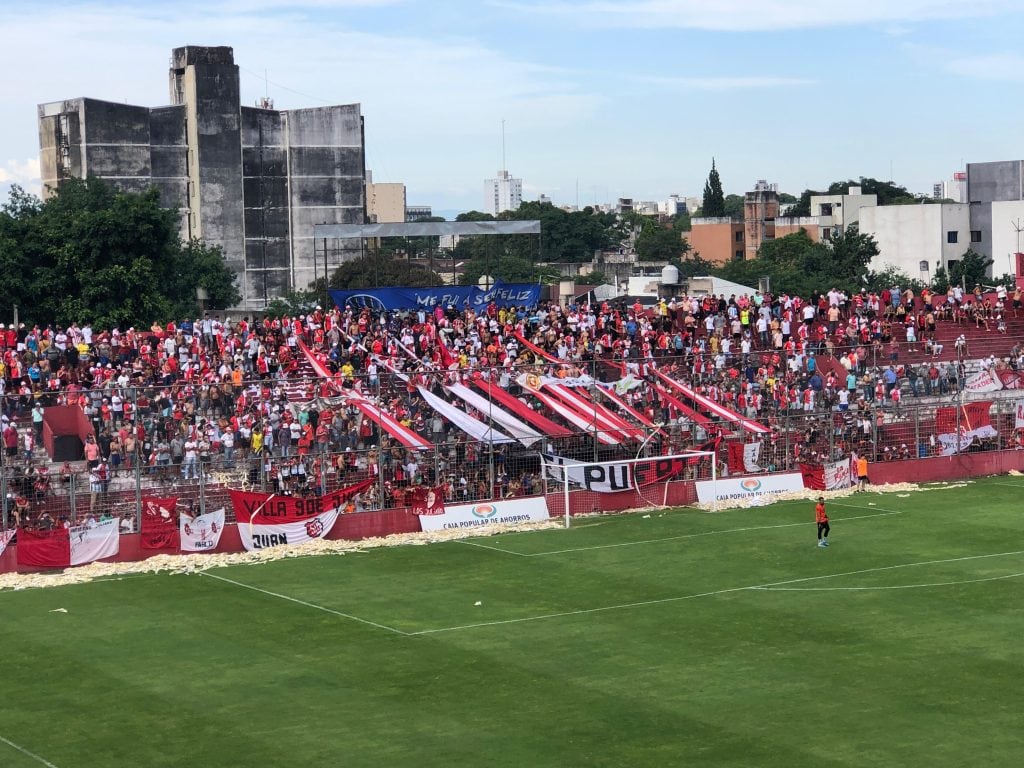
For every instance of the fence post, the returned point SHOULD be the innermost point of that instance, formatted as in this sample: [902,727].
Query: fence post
[380,450]
[917,431]
[3,493]
[136,463]
[72,481]
[202,486]
[999,421]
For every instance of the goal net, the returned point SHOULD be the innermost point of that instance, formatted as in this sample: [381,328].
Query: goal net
[649,482]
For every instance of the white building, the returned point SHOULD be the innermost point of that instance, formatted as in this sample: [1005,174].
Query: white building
[955,189]
[916,239]
[1007,235]
[836,212]
[502,194]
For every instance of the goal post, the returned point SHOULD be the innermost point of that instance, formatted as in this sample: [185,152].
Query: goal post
[622,484]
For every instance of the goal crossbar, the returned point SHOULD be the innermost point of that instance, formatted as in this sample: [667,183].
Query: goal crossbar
[648,476]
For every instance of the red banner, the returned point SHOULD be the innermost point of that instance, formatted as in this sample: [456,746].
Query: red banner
[159,523]
[814,476]
[44,549]
[426,501]
[972,416]
[736,463]
[284,509]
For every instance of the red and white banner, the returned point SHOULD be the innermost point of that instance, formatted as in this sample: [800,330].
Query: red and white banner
[1018,421]
[957,427]
[269,520]
[159,523]
[520,430]
[426,501]
[983,381]
[711,406]
[201,533]
[472,427]
[616,476]
[62,547]
[743,457]
[827,477]
[5,539]
[838,475]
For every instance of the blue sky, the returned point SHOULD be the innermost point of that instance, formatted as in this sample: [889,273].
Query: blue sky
[627,98]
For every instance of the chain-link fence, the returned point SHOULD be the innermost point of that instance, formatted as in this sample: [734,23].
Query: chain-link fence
[305,437]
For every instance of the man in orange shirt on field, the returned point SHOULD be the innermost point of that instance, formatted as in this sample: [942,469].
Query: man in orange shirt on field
[862,473]
[822,519]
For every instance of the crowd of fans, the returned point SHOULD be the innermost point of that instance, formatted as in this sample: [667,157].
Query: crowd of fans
[232,401]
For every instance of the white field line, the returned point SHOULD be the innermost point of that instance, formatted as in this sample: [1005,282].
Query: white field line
[487,546]
[887,513]
[623,606]
[893,586]
[24,751]
[303,602]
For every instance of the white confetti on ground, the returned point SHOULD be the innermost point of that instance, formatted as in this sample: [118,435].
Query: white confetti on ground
[194,563]
[806,494]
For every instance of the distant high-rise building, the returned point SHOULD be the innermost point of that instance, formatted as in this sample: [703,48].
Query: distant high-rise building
[502,194]
[252,180]
[760,209]
[418,212]
[385,202]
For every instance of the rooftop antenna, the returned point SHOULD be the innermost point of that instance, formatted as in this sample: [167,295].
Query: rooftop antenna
[1018,226]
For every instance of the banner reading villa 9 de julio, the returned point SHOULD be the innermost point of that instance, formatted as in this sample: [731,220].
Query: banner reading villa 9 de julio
[754,489]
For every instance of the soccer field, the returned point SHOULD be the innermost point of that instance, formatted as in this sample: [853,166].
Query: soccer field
[675,639]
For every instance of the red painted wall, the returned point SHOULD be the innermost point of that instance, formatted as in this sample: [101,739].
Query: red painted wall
[369,524]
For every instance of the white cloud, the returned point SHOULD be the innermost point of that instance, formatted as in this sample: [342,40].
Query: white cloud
[757,15]
[1008,67]
[24,173]
[432,104]
[727,83]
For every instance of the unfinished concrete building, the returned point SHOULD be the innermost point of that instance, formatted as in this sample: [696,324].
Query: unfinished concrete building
[252,180]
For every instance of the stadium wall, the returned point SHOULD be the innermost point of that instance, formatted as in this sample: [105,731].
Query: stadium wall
[385,522]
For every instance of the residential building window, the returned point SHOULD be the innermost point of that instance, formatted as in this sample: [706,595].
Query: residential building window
[826,233]
[738,256]
[738,237]
[826,209]
[951,237]
[975,235]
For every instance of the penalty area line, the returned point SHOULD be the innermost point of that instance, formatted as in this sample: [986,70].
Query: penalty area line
[24,751]
[306,604]
[702,533]
[891,586]
[713,593]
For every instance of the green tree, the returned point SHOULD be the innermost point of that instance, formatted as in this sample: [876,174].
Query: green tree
[107,257]
[887,192]
[803,266]
[381,270]
[714,201]
[660,244]
[692,265]
[681,222]
[970,270]
[852,252]
[565,236]
[733,206]
[510,269]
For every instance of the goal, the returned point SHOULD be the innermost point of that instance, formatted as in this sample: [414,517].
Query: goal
[655,482]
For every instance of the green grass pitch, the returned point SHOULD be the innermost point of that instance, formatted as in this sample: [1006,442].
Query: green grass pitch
[675,639]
